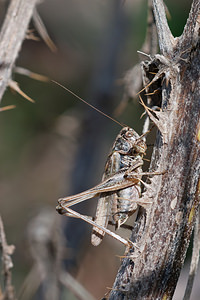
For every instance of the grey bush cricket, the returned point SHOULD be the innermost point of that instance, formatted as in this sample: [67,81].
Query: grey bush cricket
[120,190]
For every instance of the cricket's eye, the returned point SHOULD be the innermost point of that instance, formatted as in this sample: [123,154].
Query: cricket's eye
[129,134]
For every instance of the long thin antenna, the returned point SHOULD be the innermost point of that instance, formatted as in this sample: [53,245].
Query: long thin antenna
[75,95]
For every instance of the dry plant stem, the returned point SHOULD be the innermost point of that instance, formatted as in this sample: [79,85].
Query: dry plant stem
[166,39]
[164,235]
[75,287]
[133,77]
[11,37]
[6,252]
[45,248]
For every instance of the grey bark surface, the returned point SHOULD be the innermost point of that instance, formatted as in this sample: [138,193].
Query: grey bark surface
[163,231]
[12,34]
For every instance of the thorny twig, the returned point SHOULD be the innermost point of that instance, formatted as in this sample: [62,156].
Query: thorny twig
[47,251]
[12,34]
[164,231]
[133,77]
[6,252]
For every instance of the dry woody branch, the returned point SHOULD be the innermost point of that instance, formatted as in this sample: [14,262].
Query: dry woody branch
[163,232]
[7,292]
[13,33]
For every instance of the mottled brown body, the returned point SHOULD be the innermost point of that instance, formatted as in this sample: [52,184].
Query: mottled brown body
[125,158]
[120,189]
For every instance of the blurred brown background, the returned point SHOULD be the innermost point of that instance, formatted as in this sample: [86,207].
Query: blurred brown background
[58,146]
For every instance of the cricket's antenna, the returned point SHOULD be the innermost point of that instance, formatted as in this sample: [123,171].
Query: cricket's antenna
[75,95]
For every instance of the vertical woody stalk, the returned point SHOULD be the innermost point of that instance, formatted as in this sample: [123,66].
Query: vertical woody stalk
[12,34]
[164,234]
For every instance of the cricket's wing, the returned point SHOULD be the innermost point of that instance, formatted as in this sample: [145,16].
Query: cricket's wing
[106,200]
[103,211]
[113,183]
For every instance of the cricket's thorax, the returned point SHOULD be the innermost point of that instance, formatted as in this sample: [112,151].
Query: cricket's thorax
[128,142]
[127,149]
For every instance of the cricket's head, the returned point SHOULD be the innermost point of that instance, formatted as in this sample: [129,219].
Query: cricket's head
[130,141]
